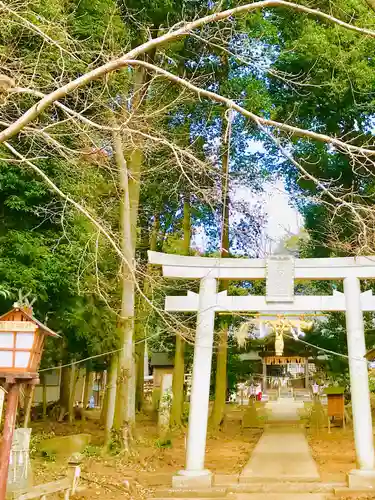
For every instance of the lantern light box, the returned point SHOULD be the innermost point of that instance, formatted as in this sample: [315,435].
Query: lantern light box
[21,343]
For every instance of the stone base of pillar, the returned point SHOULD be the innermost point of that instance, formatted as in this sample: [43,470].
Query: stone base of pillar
[359,479]
[194,479]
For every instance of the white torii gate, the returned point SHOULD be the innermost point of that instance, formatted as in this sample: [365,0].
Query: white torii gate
[279,272]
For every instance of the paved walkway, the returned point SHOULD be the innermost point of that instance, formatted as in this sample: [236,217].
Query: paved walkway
[282,453]
[283,410]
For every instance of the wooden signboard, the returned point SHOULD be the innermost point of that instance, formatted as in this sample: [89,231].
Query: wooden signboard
[17,326]
[283,360]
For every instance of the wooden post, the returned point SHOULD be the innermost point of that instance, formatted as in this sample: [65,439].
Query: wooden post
[89,379]
[45,402]
[6,443]
[307,380]
[30,389]
[2,394]
[264,366]
[72,392]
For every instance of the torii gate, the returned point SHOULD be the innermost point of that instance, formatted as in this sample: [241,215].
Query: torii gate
[279,272]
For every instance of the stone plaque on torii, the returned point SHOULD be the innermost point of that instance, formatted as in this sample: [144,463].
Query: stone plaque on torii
[280,278]
[280,274]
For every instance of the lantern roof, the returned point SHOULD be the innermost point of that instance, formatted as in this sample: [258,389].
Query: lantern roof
[29,316]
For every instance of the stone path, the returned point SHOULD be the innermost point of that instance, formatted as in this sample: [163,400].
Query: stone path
[283,410]
[282,455]
[281,466]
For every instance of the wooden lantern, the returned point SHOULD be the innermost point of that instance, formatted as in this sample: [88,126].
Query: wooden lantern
[21,344]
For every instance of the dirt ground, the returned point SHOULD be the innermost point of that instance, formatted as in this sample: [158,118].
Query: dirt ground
[334,453]
[115,477]
[152,465]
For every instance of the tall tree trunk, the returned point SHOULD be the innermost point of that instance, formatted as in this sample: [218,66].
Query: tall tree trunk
[140,365]
[44,398]
[29,396]
[89,381]
[143,311]
[72,392]
[130,175]
[129,184]
[218,411]
[64,392]
[103,388]
[104,408]
[179,357]
[110,399]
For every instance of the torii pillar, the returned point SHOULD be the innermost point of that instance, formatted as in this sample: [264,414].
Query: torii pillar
[359,388]
[195,475]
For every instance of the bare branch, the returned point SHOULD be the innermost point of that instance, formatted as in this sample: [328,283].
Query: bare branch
[37,30]
[295,131]
[328,192]
[168,37]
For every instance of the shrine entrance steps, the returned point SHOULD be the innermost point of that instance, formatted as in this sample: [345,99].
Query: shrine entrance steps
[261,491]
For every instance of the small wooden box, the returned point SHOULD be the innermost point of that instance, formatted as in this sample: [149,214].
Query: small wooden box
[336,403]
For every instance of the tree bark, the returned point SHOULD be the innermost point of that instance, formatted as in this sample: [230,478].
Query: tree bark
[29,396]
[72,392]
[143,310]
[130,176]
[129,185]
[89,381]
[140,365]
[110,399]
[103,410]
[44,400]
[64,392]
[179,357]
[218,410]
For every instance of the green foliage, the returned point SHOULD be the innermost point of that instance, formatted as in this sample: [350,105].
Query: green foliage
[163,443]
[371,382]
[46,248]
[92,451]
